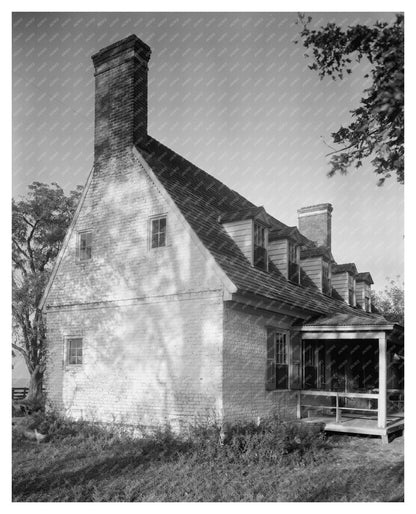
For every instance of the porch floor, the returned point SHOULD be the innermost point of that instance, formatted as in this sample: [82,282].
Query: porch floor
[353,424]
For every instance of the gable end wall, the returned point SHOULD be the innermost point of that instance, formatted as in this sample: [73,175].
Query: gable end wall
[151,320]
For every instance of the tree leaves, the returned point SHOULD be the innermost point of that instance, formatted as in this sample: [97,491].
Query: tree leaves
[390,302]
[377,127]
[39,224]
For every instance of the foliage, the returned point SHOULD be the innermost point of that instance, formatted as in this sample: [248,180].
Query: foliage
[272,440]
[85,462]
[390,302]
[377,127]
[39,224]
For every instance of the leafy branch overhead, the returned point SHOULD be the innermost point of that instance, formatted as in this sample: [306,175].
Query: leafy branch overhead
[377,126]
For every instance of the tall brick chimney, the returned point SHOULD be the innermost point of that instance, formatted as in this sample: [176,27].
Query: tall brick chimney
[315,223]
[120,96]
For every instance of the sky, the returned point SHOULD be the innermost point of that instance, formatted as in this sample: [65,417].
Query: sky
[232,93]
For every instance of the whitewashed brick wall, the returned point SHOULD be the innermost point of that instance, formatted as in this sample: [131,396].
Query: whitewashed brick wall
[244,392]
[151,320]
[146,363]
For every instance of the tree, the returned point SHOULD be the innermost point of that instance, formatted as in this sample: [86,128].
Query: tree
[39,223]
[377,127]
[390,302]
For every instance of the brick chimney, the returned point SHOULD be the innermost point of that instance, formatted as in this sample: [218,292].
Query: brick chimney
[120,96]
[315,223]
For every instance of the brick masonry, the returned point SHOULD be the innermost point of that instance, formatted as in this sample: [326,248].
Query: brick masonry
[315,222]
[160,345]
[151,319]
[145,363]
[244,375]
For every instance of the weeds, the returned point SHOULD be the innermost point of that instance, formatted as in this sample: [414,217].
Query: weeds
[272,440]
[251,462]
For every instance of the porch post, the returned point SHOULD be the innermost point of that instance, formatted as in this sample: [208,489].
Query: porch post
[382,380]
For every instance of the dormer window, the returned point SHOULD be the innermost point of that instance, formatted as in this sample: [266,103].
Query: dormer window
[343,282]
[363,283]
[326,282]
[249,228]
[259,247]
[294,253]
[351,299]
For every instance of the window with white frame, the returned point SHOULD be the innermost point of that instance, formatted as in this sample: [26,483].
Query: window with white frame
[74,350]
[84,245]
[277,375]
[158,232]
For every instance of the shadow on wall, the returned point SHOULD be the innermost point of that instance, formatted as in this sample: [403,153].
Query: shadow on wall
[149,356]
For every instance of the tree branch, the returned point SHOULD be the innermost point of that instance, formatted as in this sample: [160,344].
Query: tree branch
[29,247]
[20,248]
[341,149]
[23,352]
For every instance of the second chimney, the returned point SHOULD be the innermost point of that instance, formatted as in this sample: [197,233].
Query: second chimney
[120,96]
[315,223]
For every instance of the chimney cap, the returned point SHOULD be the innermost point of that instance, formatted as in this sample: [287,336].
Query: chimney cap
[114,50]
[312,209]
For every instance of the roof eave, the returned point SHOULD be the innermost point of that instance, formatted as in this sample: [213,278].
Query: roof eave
[344,328]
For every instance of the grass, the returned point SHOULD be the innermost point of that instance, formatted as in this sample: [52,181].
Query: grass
[272,462]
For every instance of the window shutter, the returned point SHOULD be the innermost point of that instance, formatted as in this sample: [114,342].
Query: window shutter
[271,362]
[295,343]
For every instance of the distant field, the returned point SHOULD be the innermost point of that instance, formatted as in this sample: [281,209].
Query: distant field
[82,468]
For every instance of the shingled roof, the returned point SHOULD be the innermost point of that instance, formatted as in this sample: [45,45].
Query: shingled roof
[203,200]
[348,267]
[291,233]
[364,277]
[319,251]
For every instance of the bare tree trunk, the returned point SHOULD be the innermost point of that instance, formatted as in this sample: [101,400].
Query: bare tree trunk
[35,385]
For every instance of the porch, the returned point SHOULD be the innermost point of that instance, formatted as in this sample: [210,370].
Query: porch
[337,413]
[352,379]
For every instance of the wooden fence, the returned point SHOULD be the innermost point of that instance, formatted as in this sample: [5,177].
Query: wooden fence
[19,393]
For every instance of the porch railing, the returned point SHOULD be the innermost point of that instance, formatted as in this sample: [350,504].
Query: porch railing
[339,406]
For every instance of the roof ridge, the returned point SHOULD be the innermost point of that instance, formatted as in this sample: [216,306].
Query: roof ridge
[201,198]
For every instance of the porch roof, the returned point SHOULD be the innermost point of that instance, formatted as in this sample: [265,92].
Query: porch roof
[340,319]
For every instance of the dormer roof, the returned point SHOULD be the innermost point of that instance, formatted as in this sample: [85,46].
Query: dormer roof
[342,268]
[318,251]
[291,233]
[257,213]
[364,277]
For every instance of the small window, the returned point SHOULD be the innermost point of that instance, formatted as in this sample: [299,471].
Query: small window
[277,361]
[84,249]
[74,350]
[259,236]
[260,250]
[351,290]
[294,263]
[326,281]
[158,232]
